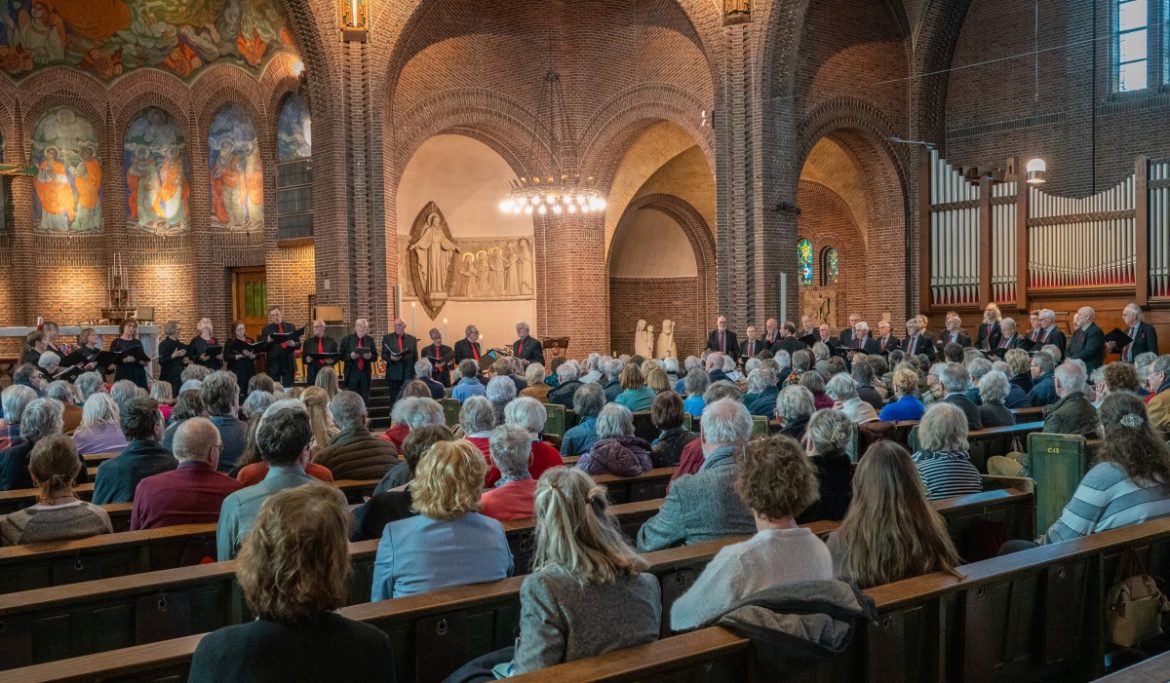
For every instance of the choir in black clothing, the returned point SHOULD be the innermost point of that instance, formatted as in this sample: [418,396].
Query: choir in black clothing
[442,358]
[172,357]
[240,354]
[283,341]
[133,365]
[400,351]
[313,352]
[359,353]
[468,347]
[205,349]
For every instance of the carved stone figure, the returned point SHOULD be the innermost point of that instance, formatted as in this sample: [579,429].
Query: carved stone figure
[511,279]
[640,346]
[482,274]
[648,342]
[466,274]
[524,265]
[431,254]
[666,347]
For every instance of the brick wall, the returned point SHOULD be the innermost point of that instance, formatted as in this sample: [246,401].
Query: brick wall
[653,301]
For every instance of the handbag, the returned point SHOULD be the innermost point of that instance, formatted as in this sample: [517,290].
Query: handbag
[1135,603]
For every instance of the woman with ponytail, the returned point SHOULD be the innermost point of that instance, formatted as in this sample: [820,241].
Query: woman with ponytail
[59,514]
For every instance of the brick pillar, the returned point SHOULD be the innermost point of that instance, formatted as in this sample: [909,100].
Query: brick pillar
[735,179]
[571,280]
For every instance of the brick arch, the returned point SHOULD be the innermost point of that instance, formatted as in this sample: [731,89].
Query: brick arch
[937,36]
[61,86]
[701,302]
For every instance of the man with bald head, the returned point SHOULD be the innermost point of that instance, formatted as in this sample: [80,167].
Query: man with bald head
[194,491]
[1088,341]
[317,344]
[400,351]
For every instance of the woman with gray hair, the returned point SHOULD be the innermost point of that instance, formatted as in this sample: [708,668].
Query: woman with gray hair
[843,390]
[100,430]
[43,417]
[537,389]
[762,392]
[696,383]
[826,443]
[617,450]
[794,407]
[477,419]
[500,391]
[14,400]
[943,460]
[172,357]
[529,414]
[587,404]
[258,401]
[993,391]
[515,491]
[89,383]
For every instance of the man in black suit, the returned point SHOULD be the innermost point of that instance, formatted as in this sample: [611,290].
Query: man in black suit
[886,340]
[400,351]
[860,340]
[846,335]
[771,334]
[825,335]
[1048,332]
[1088,341]
[722,339]
[359,354]
[751,346]
[1009,337]
[281,350]
[442,358]
[955,381]
[953,334]
[468,347]
[788,340]
[989,333]
[917,340]
[1145,338]
[318,343]
[526,348]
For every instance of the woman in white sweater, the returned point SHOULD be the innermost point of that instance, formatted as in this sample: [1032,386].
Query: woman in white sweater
[777,481]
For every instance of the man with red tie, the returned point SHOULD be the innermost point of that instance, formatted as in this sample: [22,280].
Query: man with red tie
[317,344]
[468,347]
[359,353]
[722,339]
[886,340]
[751,345]
[400,351]
[527,348]
[861,341]
[440,356]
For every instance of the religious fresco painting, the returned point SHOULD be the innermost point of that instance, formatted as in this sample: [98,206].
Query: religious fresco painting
[67,186]
[294,135]
[110,37]
[804,261]
[237,181]
[157,186]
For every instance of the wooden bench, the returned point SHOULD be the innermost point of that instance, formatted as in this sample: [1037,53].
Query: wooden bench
[99,458]
[18,499]
[1039,614]
[647,485]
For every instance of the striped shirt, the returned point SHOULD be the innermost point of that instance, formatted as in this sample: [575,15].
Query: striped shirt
[947,473]
[1108,499]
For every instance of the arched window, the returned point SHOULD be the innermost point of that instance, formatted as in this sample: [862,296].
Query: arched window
[294,170]
[830,266]
[804,261]
[67,188]
[237,178]
[155,164]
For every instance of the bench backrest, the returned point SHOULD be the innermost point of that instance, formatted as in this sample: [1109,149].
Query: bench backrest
[451,408]
[1057,464]
[554,423]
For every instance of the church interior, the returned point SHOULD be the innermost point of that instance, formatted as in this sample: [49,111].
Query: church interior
[771,194]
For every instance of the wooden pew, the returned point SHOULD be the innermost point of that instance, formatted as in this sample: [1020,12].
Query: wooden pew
[649,484]
[1039,614]
[98,458]
[17,499]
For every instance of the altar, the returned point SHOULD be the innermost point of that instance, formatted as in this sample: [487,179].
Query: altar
[68,335]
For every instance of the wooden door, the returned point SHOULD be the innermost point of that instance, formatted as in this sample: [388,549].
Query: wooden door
[250,299]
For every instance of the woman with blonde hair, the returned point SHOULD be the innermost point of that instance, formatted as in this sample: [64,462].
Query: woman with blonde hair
[327,380]
[907,405]
[100,430]
[891,531]
[204,349]
[657,380]
[316,400]
[161,392]
[59,513]
[448,543]
[294,571]
[635,394]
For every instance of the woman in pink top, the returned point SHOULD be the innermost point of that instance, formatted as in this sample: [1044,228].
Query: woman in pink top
[100,430]
[514,494]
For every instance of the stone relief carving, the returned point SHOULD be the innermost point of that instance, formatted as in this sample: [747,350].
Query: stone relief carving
[666,347]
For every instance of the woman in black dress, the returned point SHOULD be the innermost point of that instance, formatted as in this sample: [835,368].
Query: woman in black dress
[197,349]
[90,345]
[240,359]
[130,367]
[172,357]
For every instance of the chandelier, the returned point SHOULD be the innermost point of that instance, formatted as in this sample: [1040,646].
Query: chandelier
[558,192]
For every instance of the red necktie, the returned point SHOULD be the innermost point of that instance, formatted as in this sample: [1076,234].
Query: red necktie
[361,361]
[321,348]
[475,351]
[751,349]
[399,343]
[883,343]
[437,354]
[1003,343]
[520,347]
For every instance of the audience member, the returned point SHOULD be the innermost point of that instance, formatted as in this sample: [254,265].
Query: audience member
[667,416]
[777,483]
[530,414]
[143,456]
[221,399]
[955,381]
[448,543]
[534,375]
[390,503]
[162,393]
[100,430]
[616,450]
[477,419]
[294,571]
[864,376]
[1043,385]
[567,385]
[326,379]
[943,460]
[355,453]
[794,406]
[826,443]
[1158,400]
[500,391]
[514,492]
[1072,413]
[635,394]
[14,400]
[587,404]
[58,513]
[696,384]
[843,390]
[907,405]
[468,384]
[193,492]
[71,415]
[320,421]
[424,372]
[40,419]
[762,393]
[815,383]
[256,403]
[993,391]
[189,405]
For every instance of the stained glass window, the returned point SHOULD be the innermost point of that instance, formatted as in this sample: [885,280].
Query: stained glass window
[832,267]
[804,261]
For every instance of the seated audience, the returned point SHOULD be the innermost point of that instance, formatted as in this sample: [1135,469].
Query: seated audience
[123,390]
[514,492]
[500,391]
[777,483]
[794,406]
[587,403]
[696,383]
[424,372]
[100,430]
[221,399]
[1072,413]
[1118,377]
[390,504]
[704,506]
[71,416]
[815,383]
[326,379]
[616,451]
[282,437]
[294,571]
[189,405]
[843,390]
[355,453]
[907,405]
[193,492]
[477,419]
[865,376]
[955,381]
[143,456]
[40,419]
[943,460]
[529,414]
[261,381]
[657,380]
[1158,400]
[58,513]
[410,412]
[255,405]
[1043,391]
[891,531]
[320,421]
[468,384]
[667,416]
[448,543]
[692,454]
[762,393]
[163,393]
[1020,369]
[977,367]
[534,375]
[826,442]
[88,384]
[993,391]
[14,400]
[635,394]
[567,385]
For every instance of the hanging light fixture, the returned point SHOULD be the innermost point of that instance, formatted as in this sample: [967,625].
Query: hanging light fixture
[1036,172]
[560,191]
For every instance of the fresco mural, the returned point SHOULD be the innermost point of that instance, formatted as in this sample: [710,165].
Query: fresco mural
[68,185]
[157,189]
[294,135]
[109,37]
[237,184]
